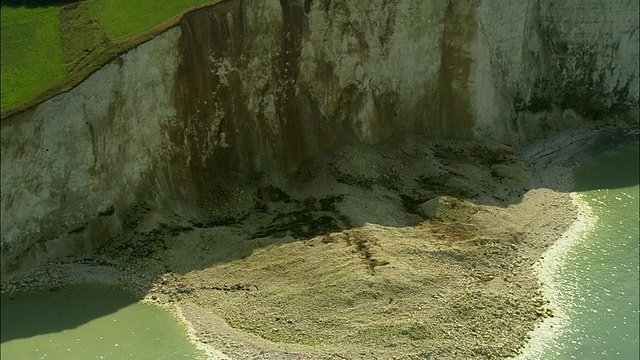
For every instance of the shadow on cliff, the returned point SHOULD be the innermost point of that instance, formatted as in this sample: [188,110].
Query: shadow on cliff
[597,173]
[400,183]
[593,156]
[396,184]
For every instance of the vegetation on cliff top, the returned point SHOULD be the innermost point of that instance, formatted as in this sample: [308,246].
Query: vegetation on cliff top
[50,46]
[32,57]
[124,19]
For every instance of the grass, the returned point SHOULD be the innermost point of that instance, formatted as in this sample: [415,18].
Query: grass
[32,58]
[47,49]
[122,19]
[83,39]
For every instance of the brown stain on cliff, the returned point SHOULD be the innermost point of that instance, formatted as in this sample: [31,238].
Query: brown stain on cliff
[348,102]
[455,116]
[304,130]
[206,104]
[390,7]
[218,124]
[387,111]
[229,119]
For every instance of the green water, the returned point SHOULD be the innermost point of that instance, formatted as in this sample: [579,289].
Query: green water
[88,322]
[599,278]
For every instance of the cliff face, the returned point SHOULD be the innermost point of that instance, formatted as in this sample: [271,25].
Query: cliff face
[73,165]
[286,79]
[584,63]
[252,85]
[272,83]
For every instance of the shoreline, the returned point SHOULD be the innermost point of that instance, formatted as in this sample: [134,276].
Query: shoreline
[210,352]
[207,336]
[559,217]
[537,334]
[554,257]
[546,266]
[546,269]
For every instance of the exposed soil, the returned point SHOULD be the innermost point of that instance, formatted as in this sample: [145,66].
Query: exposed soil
[411,249]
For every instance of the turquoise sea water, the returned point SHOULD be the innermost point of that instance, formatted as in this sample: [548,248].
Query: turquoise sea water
[88,322]
[600,276]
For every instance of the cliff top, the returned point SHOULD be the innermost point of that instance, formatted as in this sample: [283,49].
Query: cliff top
[48,47]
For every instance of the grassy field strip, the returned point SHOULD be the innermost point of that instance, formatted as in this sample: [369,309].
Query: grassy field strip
[32,58]
[35,64]
[123,19]
[84,41]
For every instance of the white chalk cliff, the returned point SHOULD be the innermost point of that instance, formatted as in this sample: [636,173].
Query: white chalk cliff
[250,85]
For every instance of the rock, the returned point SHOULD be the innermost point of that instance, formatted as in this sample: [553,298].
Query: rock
[430,207]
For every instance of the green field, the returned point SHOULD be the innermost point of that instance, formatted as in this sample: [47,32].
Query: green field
[32,58]
[124,19]
[37,56]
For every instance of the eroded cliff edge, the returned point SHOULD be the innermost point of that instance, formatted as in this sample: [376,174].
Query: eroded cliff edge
[247,86]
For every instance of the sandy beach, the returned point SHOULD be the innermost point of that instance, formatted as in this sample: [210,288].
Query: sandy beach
[365,252]
[546,269]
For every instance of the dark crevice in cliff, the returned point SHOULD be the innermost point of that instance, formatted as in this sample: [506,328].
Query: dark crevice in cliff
[290,116]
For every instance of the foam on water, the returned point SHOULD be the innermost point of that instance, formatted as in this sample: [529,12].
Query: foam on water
[549,270]
[591,274]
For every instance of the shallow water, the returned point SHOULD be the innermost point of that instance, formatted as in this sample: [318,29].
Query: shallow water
[598,279]
[89,322]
